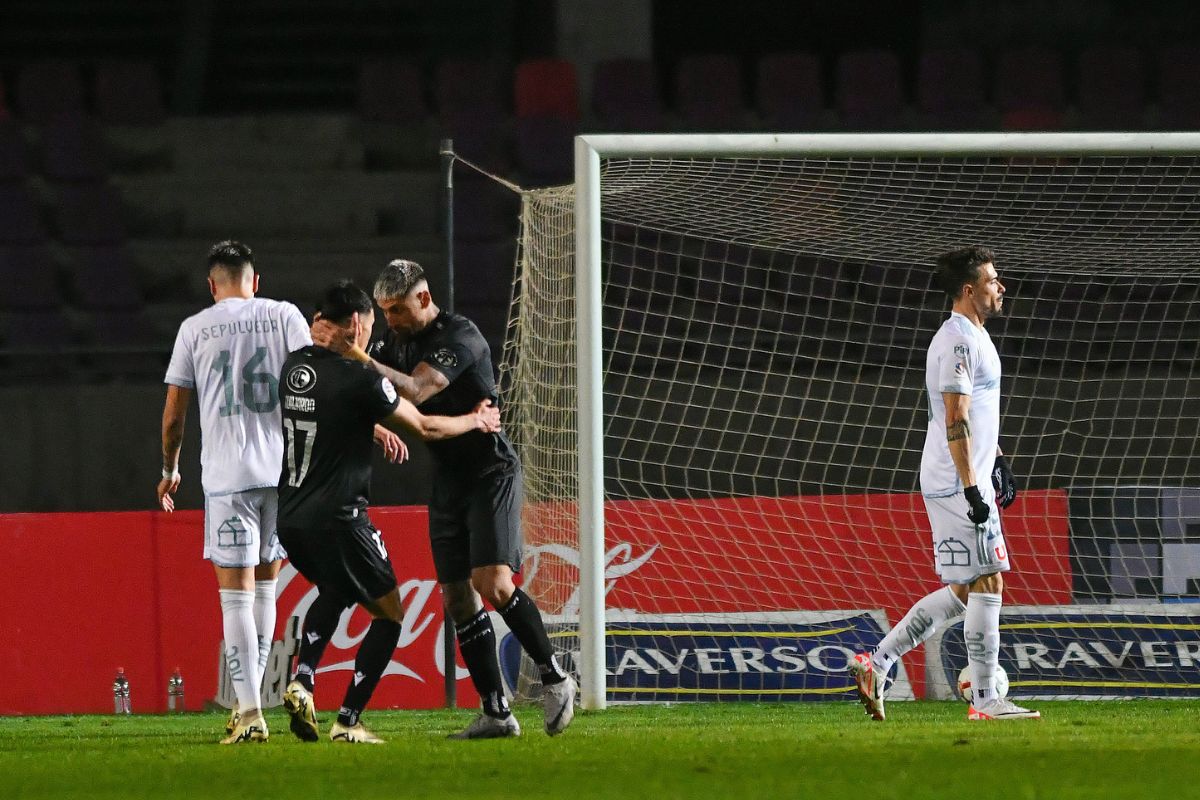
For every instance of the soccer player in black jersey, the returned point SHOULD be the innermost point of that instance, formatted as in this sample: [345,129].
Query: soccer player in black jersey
[442,363]
[330,408]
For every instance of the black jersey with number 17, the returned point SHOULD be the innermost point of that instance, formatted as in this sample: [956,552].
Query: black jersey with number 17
[453,346]
[330,407]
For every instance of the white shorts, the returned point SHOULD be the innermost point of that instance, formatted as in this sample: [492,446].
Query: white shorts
[962,550]
[239,528]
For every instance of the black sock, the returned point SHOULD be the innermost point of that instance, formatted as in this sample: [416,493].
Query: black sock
[525,622]
[477,643]
[319,624]
[373,656]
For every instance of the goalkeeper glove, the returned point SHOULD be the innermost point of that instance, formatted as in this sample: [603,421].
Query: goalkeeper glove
[979,510]
[1004,481]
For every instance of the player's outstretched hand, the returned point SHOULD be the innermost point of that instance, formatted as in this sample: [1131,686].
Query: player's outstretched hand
[394,448]
[166,488]
[487,417]
[979,511]
[333,337]
[1004,481]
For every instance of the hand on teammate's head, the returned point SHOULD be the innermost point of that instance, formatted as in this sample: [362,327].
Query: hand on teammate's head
[331,336]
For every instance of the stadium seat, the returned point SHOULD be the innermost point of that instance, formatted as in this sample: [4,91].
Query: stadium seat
[31,268]
[869,91]
[1178,88]
[545,150]
[104,277]
[390,90]
[74,150]
[464,86]
[483,272]
[20,222]
[546,87]
[483,138]
[708,93]
[626,97]
[950,90]
[1112,88]
[483,210]
[1029,80]
[129,93]
[788,93]
[90,215]
[35,345]
[48,88]
[1032,119]
[14,163]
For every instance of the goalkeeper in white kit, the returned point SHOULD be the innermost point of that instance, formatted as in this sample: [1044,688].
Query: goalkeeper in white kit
[962,380]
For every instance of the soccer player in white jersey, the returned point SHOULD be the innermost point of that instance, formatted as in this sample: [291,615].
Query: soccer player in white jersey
[230,356]
[962,379]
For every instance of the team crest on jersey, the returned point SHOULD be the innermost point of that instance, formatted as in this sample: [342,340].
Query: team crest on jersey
[389,391]
[301,378]
[445,357]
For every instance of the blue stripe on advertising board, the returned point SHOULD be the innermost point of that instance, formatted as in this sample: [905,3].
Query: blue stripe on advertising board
[723,657]
[1092,651]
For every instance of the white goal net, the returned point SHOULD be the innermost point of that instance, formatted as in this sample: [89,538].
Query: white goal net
[763,326]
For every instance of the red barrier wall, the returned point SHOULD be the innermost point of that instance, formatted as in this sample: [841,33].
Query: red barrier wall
[102,591]
[93,592]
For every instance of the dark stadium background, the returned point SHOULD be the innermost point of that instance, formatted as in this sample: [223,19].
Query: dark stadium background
[134,134]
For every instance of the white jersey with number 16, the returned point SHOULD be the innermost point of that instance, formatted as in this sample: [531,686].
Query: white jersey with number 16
[231,354]
[961,360]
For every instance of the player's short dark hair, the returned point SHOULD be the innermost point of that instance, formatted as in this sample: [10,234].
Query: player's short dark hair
[398,278]
[234,258]
[341,300]
[959,267]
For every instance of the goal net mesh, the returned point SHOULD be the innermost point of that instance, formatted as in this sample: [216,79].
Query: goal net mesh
[765,324]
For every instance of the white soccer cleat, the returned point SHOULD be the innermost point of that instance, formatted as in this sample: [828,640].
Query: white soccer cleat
[248,729]
[354,734]
[558,703]
[299,705]
[869,682]
[485,727]
[1000,708]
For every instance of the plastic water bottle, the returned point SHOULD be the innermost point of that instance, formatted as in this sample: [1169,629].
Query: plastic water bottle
[121,704]
[175,691]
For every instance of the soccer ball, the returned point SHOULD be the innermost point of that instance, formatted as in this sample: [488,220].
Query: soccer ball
[964,683]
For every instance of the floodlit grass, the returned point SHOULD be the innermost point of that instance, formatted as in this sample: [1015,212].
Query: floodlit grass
[1091,750]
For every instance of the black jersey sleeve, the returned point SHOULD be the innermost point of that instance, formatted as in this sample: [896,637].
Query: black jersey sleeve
[379,396]
[456,351]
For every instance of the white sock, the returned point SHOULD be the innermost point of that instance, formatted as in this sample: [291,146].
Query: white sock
[264,621]
[981,628]
[917,625]
[241,646]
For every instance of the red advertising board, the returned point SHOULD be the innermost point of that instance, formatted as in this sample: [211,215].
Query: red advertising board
[108,590]
[100,591]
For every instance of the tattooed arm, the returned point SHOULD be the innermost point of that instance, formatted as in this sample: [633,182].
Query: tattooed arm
[958,435]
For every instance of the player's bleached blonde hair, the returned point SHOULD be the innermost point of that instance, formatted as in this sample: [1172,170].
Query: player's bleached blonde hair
[398,278]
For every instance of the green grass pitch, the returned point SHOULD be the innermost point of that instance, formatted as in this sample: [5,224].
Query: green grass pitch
[1130,749]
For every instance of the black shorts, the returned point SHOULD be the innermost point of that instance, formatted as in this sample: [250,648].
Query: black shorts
[349,564]
[474,522]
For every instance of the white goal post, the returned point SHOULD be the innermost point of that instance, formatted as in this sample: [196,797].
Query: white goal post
[592,150]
